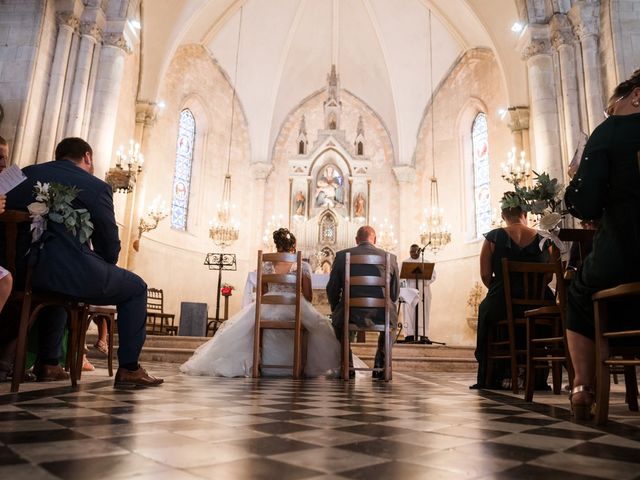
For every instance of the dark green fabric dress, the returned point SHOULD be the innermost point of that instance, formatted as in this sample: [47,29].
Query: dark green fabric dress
[493,308]
[607,187]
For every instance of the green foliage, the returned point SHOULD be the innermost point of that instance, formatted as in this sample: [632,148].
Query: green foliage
[543,197]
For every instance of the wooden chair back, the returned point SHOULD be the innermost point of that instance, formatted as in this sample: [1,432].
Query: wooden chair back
[376,280]
[533,278]
[30,303]
[608,355]
[159,322]
[263,297]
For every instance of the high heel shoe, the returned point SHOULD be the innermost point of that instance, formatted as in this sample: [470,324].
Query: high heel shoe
[582,411]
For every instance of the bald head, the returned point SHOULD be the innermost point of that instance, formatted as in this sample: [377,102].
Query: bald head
[366,234]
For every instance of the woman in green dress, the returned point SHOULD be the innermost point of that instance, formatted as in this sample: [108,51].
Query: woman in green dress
[606,187]
[517,242]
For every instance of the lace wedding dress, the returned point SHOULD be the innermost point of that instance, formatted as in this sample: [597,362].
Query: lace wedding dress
[230,352]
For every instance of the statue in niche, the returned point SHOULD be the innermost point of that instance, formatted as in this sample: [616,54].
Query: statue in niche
[359,205]
[299,202]
[330,187]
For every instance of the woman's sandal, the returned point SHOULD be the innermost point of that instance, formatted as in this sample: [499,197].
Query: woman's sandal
[582,411]
[102,347]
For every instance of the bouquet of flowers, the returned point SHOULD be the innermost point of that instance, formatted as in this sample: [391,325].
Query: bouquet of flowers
[54,204]
[226,290]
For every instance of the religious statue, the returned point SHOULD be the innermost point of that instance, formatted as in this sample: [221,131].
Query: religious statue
[299,203]
[330,188]
[359,206]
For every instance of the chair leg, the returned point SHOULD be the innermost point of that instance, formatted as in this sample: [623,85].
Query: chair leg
[603,372]
[110,322]
[387,355]
[72,346]
[556,369]
[257,348]
[631,387]
[345,354]
[530,368]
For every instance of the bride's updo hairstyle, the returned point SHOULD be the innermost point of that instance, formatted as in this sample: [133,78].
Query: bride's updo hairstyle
[284,240]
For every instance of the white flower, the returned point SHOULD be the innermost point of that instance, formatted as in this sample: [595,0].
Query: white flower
[38,208]
[550,221]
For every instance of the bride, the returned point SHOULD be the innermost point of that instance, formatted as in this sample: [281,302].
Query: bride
[230,352]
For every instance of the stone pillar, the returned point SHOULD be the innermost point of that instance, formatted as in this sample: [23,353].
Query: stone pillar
[536,51]
[585,17]
[90,36]
[519,126]
[67,24]
[105,102]
[562,40]
[260,172]
[407,230]
[134,207]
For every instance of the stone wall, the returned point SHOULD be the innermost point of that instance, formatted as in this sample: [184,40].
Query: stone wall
[620,41]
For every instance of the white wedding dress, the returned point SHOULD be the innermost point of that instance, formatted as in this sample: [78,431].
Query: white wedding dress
[230,352]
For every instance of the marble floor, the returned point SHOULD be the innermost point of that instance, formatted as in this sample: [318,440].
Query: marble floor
[419,426]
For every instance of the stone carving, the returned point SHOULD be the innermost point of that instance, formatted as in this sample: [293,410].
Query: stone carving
[585,18]
[518,118]
[405,173]
[115,39]
[91,29]
[68,19]
[561,32]
[536,47]
[261,170]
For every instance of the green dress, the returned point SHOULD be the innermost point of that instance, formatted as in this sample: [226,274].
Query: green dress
[607,187]
[493,308]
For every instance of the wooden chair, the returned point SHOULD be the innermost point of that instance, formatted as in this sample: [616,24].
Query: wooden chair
[383,302]
[159,322]
[542,350]
[109,314]
[30,303]
[262,298]
[626,356]
[502,341]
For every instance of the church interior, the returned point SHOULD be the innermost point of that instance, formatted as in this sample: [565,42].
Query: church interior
[217,122]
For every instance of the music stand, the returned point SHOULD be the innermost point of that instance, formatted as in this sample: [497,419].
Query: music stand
[419,271]
[220,262]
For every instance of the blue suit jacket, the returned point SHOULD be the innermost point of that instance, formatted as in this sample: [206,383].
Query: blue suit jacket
[64,264]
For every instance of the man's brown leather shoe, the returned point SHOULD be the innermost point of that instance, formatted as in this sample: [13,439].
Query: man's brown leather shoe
[137,378]
[50,373]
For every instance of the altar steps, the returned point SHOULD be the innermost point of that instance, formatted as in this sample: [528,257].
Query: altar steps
[406,358]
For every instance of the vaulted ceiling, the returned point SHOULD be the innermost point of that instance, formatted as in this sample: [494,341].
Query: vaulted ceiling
[380,47]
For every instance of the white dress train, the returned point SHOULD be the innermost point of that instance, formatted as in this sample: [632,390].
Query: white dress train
[230,352]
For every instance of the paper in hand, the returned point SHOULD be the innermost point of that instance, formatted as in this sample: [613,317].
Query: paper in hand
[10,178]
[577,156]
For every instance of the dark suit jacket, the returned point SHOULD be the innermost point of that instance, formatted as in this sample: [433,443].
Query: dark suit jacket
[335,286]
[64,264]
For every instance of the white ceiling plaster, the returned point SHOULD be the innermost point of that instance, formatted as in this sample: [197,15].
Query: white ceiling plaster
[286,52]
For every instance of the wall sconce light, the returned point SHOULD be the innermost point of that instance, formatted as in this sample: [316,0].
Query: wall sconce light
[121,179]
[156,213]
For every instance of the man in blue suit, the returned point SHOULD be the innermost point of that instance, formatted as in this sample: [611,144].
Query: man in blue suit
[66,266]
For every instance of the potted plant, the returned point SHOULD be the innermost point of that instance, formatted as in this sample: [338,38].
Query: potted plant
[473,301]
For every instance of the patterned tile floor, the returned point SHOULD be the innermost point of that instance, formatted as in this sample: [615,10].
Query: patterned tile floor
[419,426]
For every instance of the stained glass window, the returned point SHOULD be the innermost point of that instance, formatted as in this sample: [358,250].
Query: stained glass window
[481,190]
[182,175]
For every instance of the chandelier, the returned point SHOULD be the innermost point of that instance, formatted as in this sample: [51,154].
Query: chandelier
[121,179]
[276,222]
[385,236]
[224,230]
[434,232]
[514,172]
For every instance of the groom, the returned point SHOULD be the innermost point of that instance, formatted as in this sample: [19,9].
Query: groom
[365,240]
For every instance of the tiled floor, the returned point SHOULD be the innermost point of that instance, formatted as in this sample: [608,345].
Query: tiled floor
[419,426]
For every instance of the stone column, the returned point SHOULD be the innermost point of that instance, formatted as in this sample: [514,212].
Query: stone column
[585,17]
[536,51]
[91,35]
[407,230]
[67,24]
[562,40]
[105,102]
[260,172]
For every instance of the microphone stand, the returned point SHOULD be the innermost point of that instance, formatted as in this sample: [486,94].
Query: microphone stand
[423,339]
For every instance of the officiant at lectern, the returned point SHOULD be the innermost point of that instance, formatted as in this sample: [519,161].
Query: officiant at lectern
[418,311]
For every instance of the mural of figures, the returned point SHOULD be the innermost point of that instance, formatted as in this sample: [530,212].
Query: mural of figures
[330,188]
[359,206]
[299,202]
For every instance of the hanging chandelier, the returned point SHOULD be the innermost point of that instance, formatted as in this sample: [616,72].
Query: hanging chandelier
[435,231]
[385,236]
[225,229]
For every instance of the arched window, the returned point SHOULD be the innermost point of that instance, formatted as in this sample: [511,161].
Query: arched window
[328,229]
[360,148]
[481,190]
[301,148]
[182,173]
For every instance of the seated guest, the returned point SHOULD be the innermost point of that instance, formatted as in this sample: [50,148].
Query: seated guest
[517,242]
[66,266]
[365,240]
[605,187]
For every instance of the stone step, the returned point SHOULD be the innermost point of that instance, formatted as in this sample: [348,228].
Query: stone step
[407,358]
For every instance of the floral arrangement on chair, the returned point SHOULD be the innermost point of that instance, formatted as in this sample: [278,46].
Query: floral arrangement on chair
[544,198]
[54,204]
[226,290]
